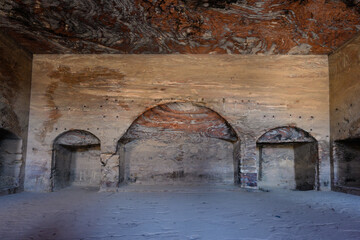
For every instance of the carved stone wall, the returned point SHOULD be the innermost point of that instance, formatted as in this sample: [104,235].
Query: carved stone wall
[11,161]
[288,159]
[345,114]
[105,94]
[179,143]
[15,81]
[76,160]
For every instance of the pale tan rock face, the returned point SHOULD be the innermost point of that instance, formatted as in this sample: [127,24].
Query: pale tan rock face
[345,114]
[105,94]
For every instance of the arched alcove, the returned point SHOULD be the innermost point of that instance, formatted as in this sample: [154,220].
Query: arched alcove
[76,160]
[288,159]
[179,143]
[10,161]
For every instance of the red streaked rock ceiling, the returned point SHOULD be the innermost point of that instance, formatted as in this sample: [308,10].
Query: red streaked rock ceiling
[181,26]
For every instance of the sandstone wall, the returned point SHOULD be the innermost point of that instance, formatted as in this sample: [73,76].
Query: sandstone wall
[345,108]
[15,82]
[105,94]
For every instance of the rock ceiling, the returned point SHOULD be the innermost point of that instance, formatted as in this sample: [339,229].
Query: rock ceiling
[181,26]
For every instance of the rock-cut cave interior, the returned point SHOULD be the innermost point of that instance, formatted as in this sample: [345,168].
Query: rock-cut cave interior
[179,119]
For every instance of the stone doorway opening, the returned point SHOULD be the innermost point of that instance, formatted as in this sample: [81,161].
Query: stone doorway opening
[76,160]
[288,159]
[11,159]
[179,143]
[348,163]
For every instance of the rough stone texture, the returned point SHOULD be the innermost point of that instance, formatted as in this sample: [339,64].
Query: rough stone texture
[175,120]
[348,163]
[105,94]
[288,159]
[285,134]
[277,167]
[10,161]
[76,160]
[179,143]
[15,80]
[344,91]
[110,177]
[344,106]
[183,160]
[181,26]
[288,165]
[75,138]
[86,166]
[306,166]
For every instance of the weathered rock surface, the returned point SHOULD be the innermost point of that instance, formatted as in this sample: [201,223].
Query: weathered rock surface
[15,81]
[345,116]
[109,172]
[181,26]
[106,94]
[176,120]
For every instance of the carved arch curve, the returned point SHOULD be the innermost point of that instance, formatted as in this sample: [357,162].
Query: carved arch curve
[180,117]
[286,134]
[77,138]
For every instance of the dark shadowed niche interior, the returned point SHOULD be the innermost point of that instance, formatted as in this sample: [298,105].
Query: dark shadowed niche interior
[76,160]
[179,143]
[288,159]
[10,161]
[347,156]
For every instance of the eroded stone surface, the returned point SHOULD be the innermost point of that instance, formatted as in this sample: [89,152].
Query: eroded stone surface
[175,120]
[76,138]
[15,81]
[179,142]
[76,160]
[180,161]
[285,134]
[181,26]
[11,161]
[253,93]
[345,115]
[109,172]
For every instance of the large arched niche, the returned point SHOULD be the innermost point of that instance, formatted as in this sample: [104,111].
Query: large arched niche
[76,160]
[288,159]
[179,142]
[11,160]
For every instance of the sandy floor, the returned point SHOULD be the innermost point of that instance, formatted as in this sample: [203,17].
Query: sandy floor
[179,213]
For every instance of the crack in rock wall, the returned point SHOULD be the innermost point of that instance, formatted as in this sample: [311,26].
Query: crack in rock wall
[253,93]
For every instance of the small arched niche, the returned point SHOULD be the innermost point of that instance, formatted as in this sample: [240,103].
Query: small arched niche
[288,159]
[10,161]
[179,143]
[76,160]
